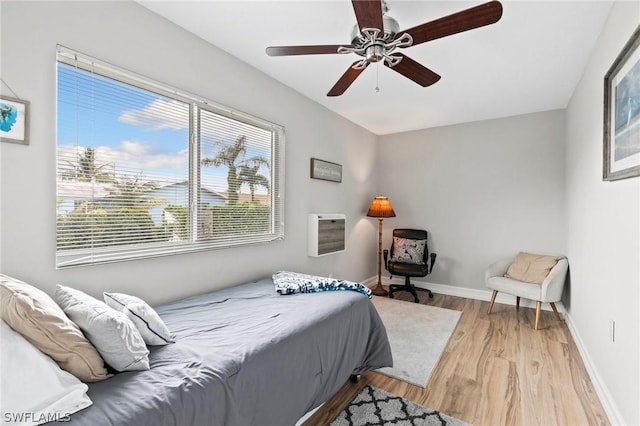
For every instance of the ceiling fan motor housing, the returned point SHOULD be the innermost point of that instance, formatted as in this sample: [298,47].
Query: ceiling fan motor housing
[390,29]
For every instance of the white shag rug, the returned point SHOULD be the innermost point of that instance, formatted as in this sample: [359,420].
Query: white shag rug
[417,334]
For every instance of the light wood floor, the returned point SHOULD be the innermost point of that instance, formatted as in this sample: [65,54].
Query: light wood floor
[495,370]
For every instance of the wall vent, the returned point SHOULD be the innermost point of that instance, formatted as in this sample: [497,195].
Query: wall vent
[326,234]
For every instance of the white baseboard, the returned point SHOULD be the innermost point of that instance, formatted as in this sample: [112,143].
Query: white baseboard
[469,293]
[607,401]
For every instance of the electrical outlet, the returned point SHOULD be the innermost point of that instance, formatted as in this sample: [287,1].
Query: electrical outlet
[612,330]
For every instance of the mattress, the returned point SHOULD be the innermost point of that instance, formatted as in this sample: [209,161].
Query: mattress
[245,356]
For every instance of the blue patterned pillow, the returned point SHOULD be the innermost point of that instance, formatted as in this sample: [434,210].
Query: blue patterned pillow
[406,250]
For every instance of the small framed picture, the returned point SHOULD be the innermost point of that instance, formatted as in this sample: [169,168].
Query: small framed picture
[14,120]
[621,156]
[326,170]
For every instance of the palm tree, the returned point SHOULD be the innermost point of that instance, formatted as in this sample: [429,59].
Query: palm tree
[85,169]
[132,192]
[232,156]
[252,177]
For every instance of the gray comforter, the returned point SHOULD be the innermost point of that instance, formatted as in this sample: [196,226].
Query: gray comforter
[245,356]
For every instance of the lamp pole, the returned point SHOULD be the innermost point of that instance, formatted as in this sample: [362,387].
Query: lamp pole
[380,207]
[379,289]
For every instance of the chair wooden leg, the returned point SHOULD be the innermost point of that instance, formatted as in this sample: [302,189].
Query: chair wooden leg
[538,307]
[517,303]
[555,311]
[493,299]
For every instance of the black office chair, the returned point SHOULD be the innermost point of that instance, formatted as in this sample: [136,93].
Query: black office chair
[408,260]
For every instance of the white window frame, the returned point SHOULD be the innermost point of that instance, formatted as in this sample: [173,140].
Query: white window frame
[88,256]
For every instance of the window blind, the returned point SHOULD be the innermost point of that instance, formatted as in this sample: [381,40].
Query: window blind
[145,170]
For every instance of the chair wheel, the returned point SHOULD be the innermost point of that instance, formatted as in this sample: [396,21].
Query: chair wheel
[416,300]
[430,295]
[390,295]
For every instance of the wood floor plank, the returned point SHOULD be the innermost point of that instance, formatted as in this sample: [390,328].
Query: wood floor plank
[495,370]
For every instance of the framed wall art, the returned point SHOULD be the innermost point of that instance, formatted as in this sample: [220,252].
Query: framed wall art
[326,170]
[14,120]
[621,156]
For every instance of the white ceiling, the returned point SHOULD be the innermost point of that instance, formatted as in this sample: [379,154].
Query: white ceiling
[530,60]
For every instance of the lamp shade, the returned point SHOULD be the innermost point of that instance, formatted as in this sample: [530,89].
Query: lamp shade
[381,207]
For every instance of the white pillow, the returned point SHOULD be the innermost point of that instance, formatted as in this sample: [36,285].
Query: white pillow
[149,324]
[113,334]
[33,388]
[35,315]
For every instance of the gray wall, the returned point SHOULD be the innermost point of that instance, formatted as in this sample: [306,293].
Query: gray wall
[483,190]
[130,36]
[603,231]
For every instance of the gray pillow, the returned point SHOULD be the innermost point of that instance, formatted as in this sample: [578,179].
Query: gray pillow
[113,334]
[407,250]
[149,324]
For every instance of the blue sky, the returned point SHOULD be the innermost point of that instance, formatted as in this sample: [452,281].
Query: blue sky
[136,131]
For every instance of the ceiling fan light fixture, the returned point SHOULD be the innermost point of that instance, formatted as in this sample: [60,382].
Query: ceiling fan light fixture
[375,53]
[375,48]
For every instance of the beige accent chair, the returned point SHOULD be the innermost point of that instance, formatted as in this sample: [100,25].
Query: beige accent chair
[550,291]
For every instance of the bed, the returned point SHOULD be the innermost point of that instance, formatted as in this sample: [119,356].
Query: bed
[245,356]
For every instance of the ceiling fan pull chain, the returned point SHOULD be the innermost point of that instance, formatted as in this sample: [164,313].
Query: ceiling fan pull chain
[377,88]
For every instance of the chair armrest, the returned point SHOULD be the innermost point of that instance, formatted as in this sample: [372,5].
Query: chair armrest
[497,269]
[433,260]
[553,285]
[385,253]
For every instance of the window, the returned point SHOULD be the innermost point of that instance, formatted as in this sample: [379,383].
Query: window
[145,170]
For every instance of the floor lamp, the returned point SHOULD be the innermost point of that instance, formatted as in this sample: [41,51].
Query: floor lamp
[380,207]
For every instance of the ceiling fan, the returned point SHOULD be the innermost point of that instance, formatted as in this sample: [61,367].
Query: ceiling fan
[376,37]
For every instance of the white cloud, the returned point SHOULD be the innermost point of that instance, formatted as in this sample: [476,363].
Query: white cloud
[132,157]
[159,114]
[162,114]
[141,156]
[134,148]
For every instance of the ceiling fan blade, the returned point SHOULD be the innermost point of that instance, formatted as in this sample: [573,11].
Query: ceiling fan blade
[415,71]
[345,81]
[304,50]
[475,17]
[368,13]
